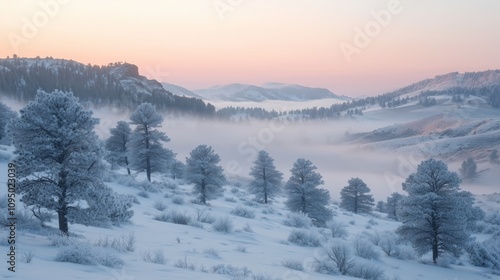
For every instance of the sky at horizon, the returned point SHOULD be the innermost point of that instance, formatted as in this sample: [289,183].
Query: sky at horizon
[351,47]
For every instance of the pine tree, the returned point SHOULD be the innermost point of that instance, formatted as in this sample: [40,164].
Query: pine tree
[304,194]
[266,179]
[436,215]
[468,169]
[146,152]
[355,198]
[116,144]
[6,114]
[59,156]
[203,170]
[381,206]
[392,205]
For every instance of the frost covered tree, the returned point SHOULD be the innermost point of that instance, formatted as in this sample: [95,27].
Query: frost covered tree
[146,152]
[116,144]
[436,215]
[6,114]
[392,205]
[59,156]
[468,169]
[381,206]
[203,170]
[304,194]
[266,179]
[355,198]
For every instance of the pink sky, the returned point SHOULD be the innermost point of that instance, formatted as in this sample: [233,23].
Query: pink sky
[193,44]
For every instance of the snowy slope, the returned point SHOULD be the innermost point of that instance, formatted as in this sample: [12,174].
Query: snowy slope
[257,246]
[269,91]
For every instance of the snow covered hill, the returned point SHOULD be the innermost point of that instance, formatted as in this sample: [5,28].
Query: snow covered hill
[446,130]
[468,80]
[268,91]
[253,243]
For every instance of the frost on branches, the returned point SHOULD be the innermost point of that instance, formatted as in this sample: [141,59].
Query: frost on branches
[304,194]
[146,151]
[203,170]
[436,215]
[266,179]
[59,156]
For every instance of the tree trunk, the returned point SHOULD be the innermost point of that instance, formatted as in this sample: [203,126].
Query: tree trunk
[265,189]
[203,192]
[63,220]
[128,168]
[356,203]
[434,250]
[148,159]
[303,204]
[62,210]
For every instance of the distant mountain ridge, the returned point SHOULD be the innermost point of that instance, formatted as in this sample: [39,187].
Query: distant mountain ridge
[269,91]
[116,84]
[467,80]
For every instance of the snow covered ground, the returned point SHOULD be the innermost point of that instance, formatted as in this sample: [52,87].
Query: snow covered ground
[256,248]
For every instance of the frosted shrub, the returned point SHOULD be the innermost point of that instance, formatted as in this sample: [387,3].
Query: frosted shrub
[303,237]
[180,218]
[231,271]
[243,212]
[298,220]
[389,243]
[203,216]
[159,205]
[84,253]
[230,199]
[223,224]
[334,257]
[179,200]
[365,270]
[79,254]
[212,253]
[143,194]
[175,217]
[338,229]
[293,264]
[405,252]
[155,256]
[486,254]
[365,249]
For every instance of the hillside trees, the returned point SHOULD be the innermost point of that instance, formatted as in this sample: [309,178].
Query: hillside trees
[355,198]
[146,151]
[266,179]
[304,194]
[469,168]
[116,144]
[436,215]
[392,205]
[59,156]
[6,114]
[203,170]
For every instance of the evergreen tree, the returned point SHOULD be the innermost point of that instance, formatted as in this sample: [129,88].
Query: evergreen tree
[469,168]
[436,215]
[6,114]
[392,205]
[266,179]
[304,194]
[116,144]
[381,206]
[59,156]
[146,152]
[203,170]
[355,198]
